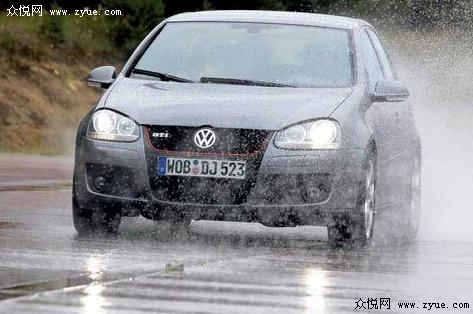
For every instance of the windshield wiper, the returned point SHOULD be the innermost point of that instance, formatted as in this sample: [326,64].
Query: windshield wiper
[162,76]
[222,80]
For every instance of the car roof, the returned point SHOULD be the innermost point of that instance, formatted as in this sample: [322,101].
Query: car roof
[277,17]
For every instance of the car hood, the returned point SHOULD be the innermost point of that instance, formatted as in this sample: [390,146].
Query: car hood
[151,102]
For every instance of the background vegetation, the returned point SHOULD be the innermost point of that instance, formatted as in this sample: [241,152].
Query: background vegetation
[43,60]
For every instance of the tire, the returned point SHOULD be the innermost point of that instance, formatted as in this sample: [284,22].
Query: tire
[98,220]
[413,205]
[357,229]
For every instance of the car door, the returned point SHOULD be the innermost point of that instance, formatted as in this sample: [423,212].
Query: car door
[390,122]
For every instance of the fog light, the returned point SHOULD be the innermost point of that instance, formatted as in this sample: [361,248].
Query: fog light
[100,183]
[315,192]
[317,188]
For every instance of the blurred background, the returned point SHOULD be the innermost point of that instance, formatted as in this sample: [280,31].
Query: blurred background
[44,60]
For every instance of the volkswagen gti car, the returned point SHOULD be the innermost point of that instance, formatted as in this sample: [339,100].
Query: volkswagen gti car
[280,118]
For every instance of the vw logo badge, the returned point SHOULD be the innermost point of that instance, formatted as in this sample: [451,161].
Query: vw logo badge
[205,138]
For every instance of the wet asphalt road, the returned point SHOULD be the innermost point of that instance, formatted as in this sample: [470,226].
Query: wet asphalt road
[45,267]
[228,268]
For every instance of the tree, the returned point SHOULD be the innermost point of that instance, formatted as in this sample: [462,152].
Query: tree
[137,19]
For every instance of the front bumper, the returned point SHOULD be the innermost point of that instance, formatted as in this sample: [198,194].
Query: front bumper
[278,196]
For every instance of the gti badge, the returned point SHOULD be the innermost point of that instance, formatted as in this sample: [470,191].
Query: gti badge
[205,138]
[161,134]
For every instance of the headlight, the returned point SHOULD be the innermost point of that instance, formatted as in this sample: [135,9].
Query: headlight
[108,125]
[319,134]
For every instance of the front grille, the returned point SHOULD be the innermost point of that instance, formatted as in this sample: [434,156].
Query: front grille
[282,189]
[209,191]
[229,141]
[231,144]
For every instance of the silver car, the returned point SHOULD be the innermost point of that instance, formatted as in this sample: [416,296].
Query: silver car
[280,118]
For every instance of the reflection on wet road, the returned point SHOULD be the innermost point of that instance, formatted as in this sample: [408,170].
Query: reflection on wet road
[228,268]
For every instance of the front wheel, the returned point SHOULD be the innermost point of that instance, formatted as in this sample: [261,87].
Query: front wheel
[358,228]
[95,220]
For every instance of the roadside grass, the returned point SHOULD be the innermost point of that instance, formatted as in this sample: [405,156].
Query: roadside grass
[43,63]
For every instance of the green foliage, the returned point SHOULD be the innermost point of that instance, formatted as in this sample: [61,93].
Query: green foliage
[19,39]
[16,41]
[54,27]
[277,5]
[138,18]
[441,13]
[69,38]
[91,36]
[207,5]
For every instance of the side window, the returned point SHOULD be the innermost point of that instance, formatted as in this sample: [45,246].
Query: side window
[373,67]
[387,68]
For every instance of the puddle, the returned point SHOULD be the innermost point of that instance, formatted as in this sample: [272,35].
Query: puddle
[9,225]
[21,290]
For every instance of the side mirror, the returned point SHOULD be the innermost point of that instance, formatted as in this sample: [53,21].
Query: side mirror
[102,77]
[390,91]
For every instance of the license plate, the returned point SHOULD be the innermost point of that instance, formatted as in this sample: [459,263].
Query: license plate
[192,167]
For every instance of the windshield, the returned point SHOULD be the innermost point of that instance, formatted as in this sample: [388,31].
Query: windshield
[285,55]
